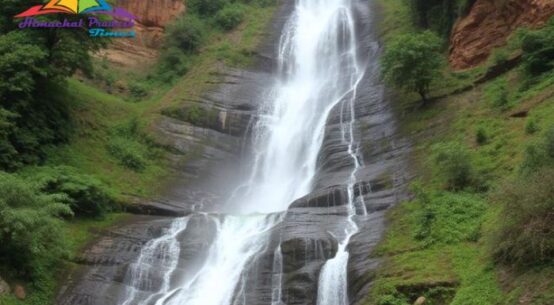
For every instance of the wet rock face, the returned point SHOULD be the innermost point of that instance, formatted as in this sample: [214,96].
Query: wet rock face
[488,25]
[99,281]
[206,152]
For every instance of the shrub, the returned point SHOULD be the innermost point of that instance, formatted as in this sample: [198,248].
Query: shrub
[481,136]
[447,217]
[174,60]
[206,8]
[526,236]
[128,152]
[497,93]
[539,154]
[185,33]
[31,232]
[230,16]
[531,126]
[538,50]
[87,196]
[452,162]
[412,62]
[138,91]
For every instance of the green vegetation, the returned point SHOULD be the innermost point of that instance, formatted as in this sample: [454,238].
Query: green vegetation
[32,62]
[538,50]
[453,165]
[413,62]
[230,16]
[31,226]
[526,238]
[83,145]
[439,15]
[479,230]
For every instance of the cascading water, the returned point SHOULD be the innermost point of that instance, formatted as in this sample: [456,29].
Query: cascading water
[318,70]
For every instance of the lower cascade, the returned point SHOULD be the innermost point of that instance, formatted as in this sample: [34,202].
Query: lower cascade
[318,71]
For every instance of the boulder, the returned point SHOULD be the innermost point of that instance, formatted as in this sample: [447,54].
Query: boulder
[4,287]
[420,301]
[19,292]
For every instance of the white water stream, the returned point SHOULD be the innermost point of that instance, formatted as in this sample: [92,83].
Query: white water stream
[318,70]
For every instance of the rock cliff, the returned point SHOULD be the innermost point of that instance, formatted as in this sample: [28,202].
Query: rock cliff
[488,25]
[152,18]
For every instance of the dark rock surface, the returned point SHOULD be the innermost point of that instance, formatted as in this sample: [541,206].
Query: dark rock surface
[308,234]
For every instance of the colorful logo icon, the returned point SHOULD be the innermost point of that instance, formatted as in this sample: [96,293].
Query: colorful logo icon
[75,7]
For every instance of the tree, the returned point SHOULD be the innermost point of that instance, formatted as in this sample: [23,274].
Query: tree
[412,62]
[31,232]
[33,66]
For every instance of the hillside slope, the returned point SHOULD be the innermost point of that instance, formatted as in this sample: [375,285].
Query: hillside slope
[442,247]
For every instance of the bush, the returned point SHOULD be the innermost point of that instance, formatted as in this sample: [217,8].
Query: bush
[531,126]
[497,93]
[31,232]
[230,16]
[206,8]
[539,154]
[526,236]
[128,152]
[481,136]
[452,162]
[87,196]
[185,33]
[174,60]
[448,217]
[412,62]
[138,91]
[538,50]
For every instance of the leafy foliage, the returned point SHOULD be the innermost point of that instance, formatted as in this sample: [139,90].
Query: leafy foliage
[230,16]
[526,236]
[206,7]
[539,154]
[538,50]
[448,217]
[32,62]
[413,62]
[86,195]
[31,234]
[439,15]
[452,163]
[186,33]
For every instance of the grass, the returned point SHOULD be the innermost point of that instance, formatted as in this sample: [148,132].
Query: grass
[462,273]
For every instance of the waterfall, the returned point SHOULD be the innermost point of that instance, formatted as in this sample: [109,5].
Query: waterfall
[317,71]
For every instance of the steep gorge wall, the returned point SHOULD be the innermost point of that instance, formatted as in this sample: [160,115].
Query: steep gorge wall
[488,25]
[152,18]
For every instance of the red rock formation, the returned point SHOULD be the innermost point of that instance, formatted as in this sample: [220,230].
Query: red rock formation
[488,25]
[152,17]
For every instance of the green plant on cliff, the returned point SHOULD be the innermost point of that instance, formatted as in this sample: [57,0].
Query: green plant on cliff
[538,50]
[31,232]
[452,162]
[413,62]
[230,16]
[86,195]
[526,236]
